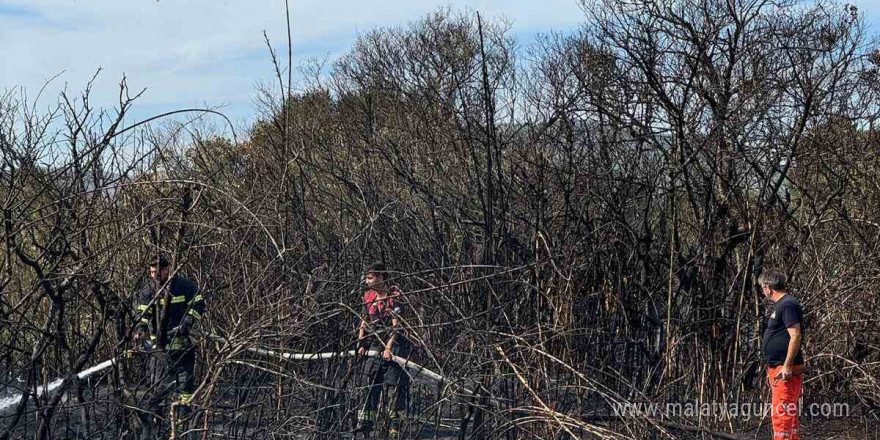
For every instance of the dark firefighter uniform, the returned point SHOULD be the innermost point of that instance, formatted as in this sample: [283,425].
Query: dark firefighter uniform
[173,367]
[379,319]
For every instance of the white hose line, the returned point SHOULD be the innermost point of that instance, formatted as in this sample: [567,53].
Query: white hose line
[415,369]
[52,386]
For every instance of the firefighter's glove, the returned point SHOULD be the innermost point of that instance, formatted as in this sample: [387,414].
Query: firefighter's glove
[142,341]
[182,330]
[140,338]
[186,325]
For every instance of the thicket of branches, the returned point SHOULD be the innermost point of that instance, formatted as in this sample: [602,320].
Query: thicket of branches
[576,223]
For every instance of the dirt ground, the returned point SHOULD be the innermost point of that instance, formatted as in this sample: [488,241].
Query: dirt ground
[840,429]
[815,429]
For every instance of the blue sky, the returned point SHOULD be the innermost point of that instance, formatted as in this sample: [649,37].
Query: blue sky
[211,52]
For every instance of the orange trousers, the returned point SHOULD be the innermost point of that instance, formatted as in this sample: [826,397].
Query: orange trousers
[785,395]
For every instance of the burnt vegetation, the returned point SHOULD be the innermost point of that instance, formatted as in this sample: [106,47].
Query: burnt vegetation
[576,223]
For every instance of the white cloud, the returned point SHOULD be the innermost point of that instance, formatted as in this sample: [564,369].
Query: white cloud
[204,51]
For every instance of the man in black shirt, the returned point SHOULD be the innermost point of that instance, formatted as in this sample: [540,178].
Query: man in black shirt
[782,351]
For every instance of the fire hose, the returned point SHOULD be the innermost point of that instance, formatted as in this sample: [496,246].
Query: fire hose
[412,367]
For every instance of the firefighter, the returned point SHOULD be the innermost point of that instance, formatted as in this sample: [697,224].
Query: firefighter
[167,309]
[381,330]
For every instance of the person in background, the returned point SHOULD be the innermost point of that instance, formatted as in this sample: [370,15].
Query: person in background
[782,352]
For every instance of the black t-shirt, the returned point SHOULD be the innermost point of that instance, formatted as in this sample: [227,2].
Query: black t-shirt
[786,313]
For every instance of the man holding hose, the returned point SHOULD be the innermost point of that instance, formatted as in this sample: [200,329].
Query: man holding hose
[168,309]
[381,330]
